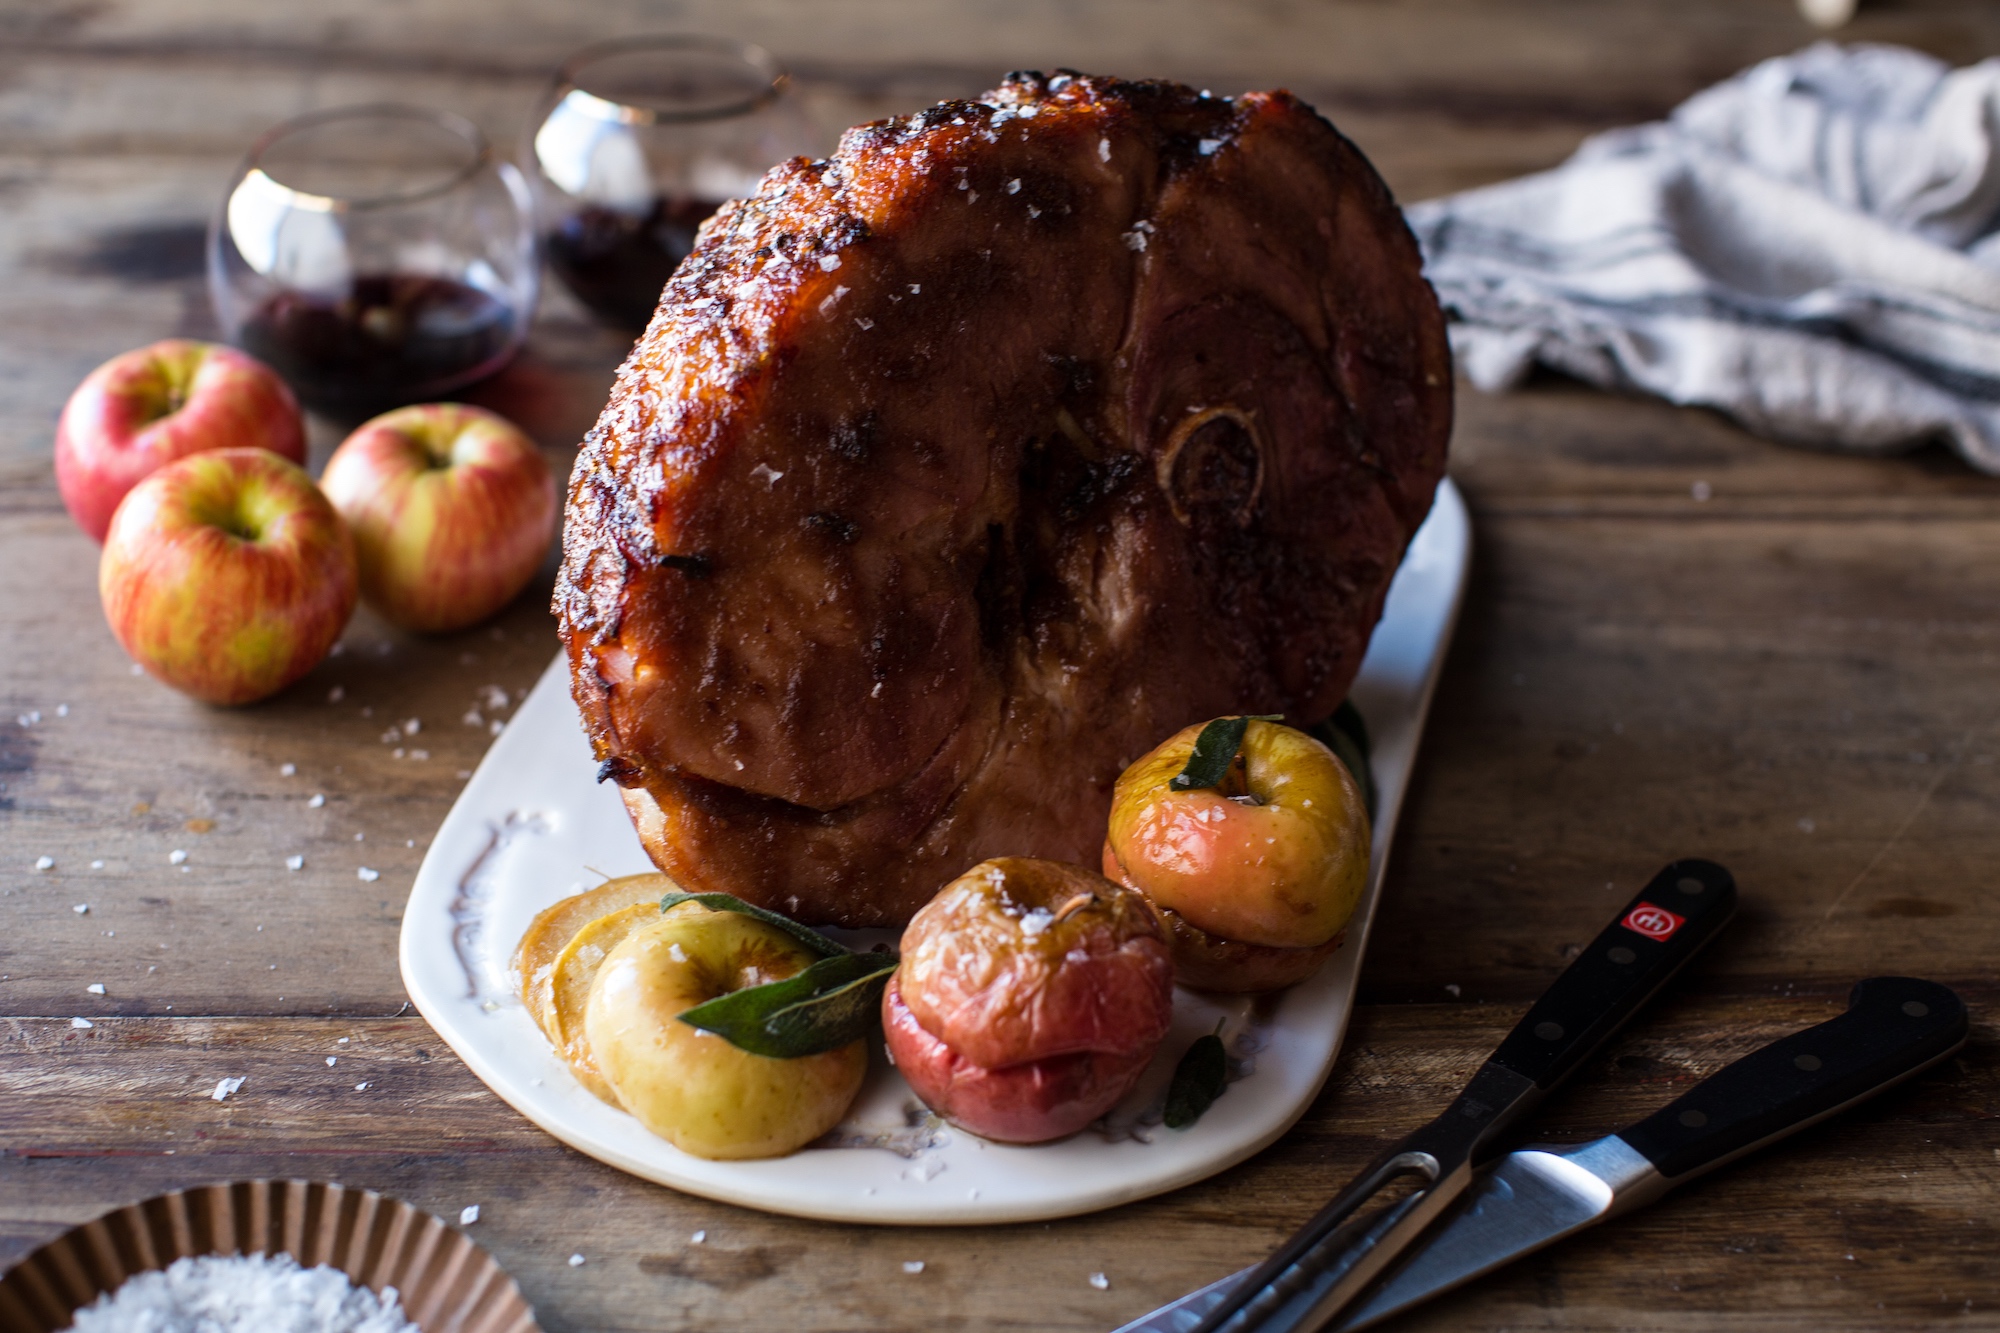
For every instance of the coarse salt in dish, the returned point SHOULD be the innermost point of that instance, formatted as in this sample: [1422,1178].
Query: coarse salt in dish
[242,1293]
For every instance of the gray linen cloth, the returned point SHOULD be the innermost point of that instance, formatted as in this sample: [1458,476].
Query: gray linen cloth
[1809,247]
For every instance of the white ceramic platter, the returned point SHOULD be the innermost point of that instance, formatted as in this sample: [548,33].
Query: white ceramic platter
[533,825]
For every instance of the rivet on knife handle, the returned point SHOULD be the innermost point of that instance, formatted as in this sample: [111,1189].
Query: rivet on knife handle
[1657,933]
[1893,1027]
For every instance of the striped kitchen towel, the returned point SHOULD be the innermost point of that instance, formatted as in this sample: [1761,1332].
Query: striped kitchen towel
[1810,247]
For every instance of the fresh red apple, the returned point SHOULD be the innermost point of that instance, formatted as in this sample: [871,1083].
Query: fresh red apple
[138,412]
[227,574]
[1030,998]
[1256,877]
[452,510]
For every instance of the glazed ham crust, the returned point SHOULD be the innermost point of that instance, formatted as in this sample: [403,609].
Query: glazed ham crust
[958,469]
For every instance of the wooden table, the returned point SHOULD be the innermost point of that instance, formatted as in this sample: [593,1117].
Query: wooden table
[1795,677]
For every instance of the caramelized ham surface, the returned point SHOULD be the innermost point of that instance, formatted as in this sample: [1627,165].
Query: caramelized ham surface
[957,470]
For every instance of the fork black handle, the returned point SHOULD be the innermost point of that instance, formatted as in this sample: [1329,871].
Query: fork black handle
[1653,938]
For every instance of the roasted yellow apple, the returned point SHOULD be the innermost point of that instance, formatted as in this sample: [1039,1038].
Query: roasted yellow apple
[691,1087]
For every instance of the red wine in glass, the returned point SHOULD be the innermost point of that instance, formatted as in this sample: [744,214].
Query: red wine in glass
[394,338]
[616,263]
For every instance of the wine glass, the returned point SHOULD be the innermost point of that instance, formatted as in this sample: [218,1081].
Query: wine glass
[636,142]
[375,256]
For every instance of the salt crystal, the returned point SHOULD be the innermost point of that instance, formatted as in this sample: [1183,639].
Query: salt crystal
[361,1087]
[332,1060]
[397,753]
[1135,240]
[1101,1282]
[472,718]
[828,263]
[576,1261]
[697,1238]
[318,800]
[495,697]
[1104,150]
[368,876]
[1208,147]
[81,908]
[495,727]
[916,289]
[420,754]
[29,718]
[62,710]
[287,770]
[177,856]
[1014,186]
[97,865]
[913,1265]
[361,837]
[81,1023]
[769,475]
[468,1214]
[335,695]
[411,726]
[1701,490]
[224,1087]
[295,863]
[238,1293]
[1452,989]
[95,988]
[343,1041]
[1033,212]
[1037,921]
[1806,826]
[45,863]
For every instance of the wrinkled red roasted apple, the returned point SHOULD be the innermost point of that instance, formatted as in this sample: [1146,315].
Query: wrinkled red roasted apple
[1030,998]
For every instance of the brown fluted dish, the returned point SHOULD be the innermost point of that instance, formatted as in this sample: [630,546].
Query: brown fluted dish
[958,469]
[444,1281]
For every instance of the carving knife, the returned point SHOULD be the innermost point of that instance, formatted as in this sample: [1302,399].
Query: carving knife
[1342,1249]
[1894,1029]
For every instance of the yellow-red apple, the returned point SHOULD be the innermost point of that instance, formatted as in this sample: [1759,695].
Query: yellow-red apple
[227,574]
[1258,876]
[452,510]
[146,408]
[1030,997]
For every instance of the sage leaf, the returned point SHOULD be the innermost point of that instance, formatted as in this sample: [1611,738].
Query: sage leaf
[1200,1077]
[729,902]
[1215,750]
[1346,734]
[835,1001]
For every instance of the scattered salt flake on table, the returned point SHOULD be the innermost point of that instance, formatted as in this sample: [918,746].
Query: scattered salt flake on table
[411,726]
[420,754]
[81,909]
[576,1261]
[473,718]
[295,863]
[1452,989]
[288,770]
[332,1060]
[913,1265]
[224,1087]
[138,670]
[318,800]
[1701,490]
[97,865]
[95,988]
[495,727]
[1101,1282]
[468,1214]
[697,1238]
[45,863]
[62,710]
[177,856]
[343,1041]
[81,1023]
[368,876]
[336,694]
[243,1293]
[361,1087]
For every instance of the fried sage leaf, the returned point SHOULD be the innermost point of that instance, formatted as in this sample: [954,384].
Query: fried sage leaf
[1347,736]
[835,1001]
[729,902]
[1215,750]
[1200,1077]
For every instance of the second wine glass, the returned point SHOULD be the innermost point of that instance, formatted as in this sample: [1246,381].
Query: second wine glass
[636,142]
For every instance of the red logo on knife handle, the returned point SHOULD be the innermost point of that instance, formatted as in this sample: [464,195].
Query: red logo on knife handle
[1655,923]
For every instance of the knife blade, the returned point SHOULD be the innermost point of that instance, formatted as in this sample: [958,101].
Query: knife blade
[1894,1028]
[1342,1249]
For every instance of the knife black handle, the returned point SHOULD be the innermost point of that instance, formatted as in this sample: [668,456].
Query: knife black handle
[1651,939]
[1893,1027]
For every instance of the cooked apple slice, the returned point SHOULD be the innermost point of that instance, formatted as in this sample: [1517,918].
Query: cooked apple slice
[553,928]
[576,967]
[693,1088]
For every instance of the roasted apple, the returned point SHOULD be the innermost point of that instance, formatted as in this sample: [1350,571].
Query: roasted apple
[691,1087]
[570,985]
[1256,876]
[554,927]
[1030,998]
